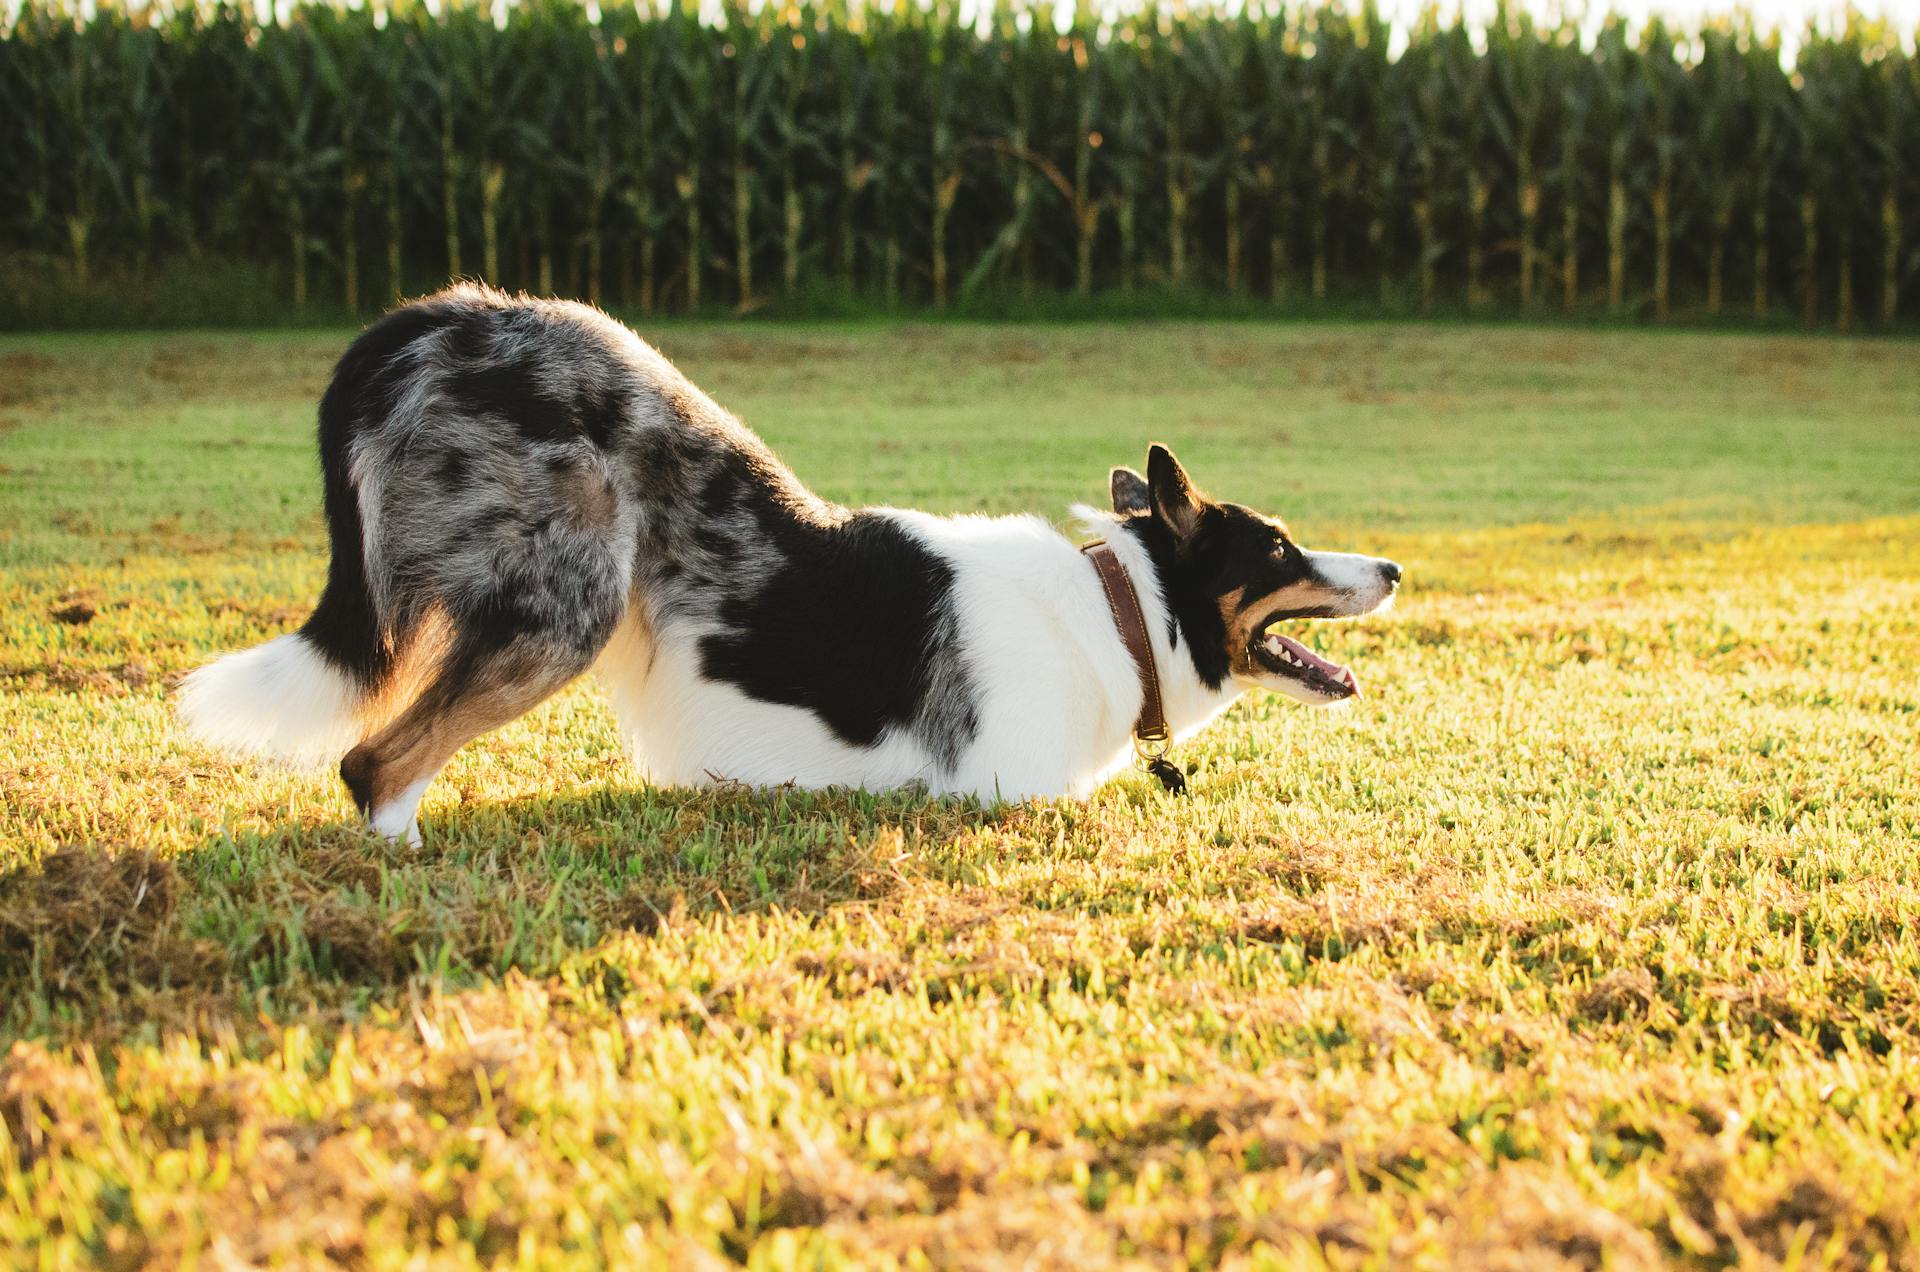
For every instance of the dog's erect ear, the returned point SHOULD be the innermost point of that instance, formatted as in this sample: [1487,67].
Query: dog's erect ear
[1129,492]
[1175,501]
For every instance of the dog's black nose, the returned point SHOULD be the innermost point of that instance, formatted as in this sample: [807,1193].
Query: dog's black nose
[1392,573]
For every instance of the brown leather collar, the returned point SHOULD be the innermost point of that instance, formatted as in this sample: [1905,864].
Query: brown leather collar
[1150,734]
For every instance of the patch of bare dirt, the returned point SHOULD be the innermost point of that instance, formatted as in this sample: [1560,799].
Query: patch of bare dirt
[765,352]
[22,383]
[65,677]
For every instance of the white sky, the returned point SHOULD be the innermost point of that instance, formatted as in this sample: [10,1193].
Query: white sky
[1789,16]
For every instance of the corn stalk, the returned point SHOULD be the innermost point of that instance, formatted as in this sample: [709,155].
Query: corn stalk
[904,151]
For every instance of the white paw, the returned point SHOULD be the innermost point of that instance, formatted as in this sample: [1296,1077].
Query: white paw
[395,819]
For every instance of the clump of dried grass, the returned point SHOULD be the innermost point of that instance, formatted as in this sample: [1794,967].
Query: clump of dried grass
[86,920]
[1622,993]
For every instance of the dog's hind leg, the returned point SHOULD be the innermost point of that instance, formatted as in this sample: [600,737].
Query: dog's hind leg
[475,690]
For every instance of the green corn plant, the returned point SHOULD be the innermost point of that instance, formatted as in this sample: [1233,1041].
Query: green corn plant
[849,70]
[1722,124]
[689,61]
[1772,119]
[752,67]
[1619,112]
[1088,80]
[1525,71]
[1015,70]
[634,86]
[140,70]
[1667,100]
[207,52]
[523,90]
[343,54]
[945,85]
[1168,107]
[1472,91]
[1224,86]
[1130,141]
[388,135]
[894,46]
[29,128]
[442,68]
[1840,124]
[80,95]
[1894,111]
[1323,157]
[1401,179]
[796,138]
[895,150]
[1430,121]
[1278,139]
[292,150]
[1378,150]
[1905,188]
[530,68]
[1011,159]
[593,168]
[1814,126]
[1577,95]
[1330,136]
[16,152]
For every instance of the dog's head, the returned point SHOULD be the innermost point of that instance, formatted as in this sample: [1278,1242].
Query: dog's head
[1230,573]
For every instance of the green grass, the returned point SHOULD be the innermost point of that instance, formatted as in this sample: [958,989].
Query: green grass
[1591,936]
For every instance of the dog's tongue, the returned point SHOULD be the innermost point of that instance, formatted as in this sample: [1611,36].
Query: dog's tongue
[1288,649]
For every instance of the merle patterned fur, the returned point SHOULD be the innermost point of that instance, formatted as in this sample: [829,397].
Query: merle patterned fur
[526,475]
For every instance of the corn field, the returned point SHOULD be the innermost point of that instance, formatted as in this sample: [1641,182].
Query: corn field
[669,161]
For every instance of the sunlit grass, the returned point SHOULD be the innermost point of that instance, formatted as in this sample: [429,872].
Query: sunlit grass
[1588,935]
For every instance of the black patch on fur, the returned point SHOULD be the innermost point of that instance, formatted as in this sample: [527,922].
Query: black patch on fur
[1231,548]
[469,341]
[665,462]
[510,387]
[851,627]
[453,469]
[724,487]
[601,411]
[497,619]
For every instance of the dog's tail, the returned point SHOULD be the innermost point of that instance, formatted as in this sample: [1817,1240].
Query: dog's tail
[308,697]
[284,700]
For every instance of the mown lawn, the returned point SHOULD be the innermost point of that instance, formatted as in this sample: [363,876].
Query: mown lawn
[1591,936]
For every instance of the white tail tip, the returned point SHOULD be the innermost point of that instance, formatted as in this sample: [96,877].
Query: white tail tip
[281,700]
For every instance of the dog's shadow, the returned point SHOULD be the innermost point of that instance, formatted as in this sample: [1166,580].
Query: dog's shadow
[739,846]
[522,883]
[327,911]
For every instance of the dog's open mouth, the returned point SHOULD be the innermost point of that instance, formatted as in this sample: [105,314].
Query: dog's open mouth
[1287,657]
